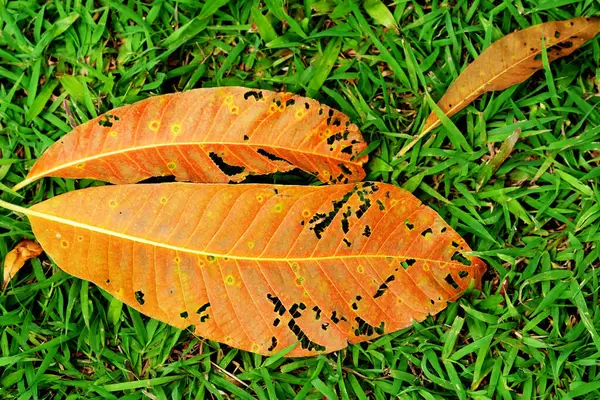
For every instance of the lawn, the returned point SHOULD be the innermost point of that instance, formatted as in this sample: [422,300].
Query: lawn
[531,332]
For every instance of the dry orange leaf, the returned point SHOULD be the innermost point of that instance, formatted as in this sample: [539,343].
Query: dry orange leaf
[509,61]
[16,258]
[261,267]
[209,135]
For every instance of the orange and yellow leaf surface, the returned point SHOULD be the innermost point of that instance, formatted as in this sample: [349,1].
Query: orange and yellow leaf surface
[509,61]
[215,135]
[261,267]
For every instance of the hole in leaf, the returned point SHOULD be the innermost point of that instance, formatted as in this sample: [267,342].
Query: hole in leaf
[457,256]
[184,314]
[273,343]
[462,274]
[270,156]
[426,232]
[557,34]
[229,170]
[276,321]
[451,281]
[408,225]
[204,318]
[252,93]
[367,231]
[203,308]
[345,169]
[139,296]
[317,311]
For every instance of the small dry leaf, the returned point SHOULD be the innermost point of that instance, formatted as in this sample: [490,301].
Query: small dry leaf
[509,61]
[16,258]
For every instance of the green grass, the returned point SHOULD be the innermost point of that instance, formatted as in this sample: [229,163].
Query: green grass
[534,216]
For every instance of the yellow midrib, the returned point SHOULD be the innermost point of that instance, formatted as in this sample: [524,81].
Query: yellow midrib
[155,145]
[103,231]
[505,71]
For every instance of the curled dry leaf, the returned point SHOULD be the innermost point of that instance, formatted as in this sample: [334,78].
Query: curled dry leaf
[261,267]
[209,135]
[509,61]
[16,258]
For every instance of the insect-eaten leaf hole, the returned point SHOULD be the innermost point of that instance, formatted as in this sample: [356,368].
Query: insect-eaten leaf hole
[364,328]
[273,343]
[426,232]
[203,308]
[139,296]
[457,256]
[183,314]
[408,225]
[463,274]
[305,342]
[229,170]
[451,281]
[270,156]
[253,93]
[278,305]
[408,262]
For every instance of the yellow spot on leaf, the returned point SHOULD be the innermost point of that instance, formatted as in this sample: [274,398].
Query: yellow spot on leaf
[306,213]
[80,238]
[112,203]
[230,280]
[299,281]
[272,108]
[64,243]
[360,269]
[229,99]
[80,165]
[255,348]
[113,133]
[175,129]
[259,198]
[177,260]
[426,267]
[171,165]
[278,208]
[163,200]
[250,245]
[299,114]
[234,109]
[154,125]
[295,266]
